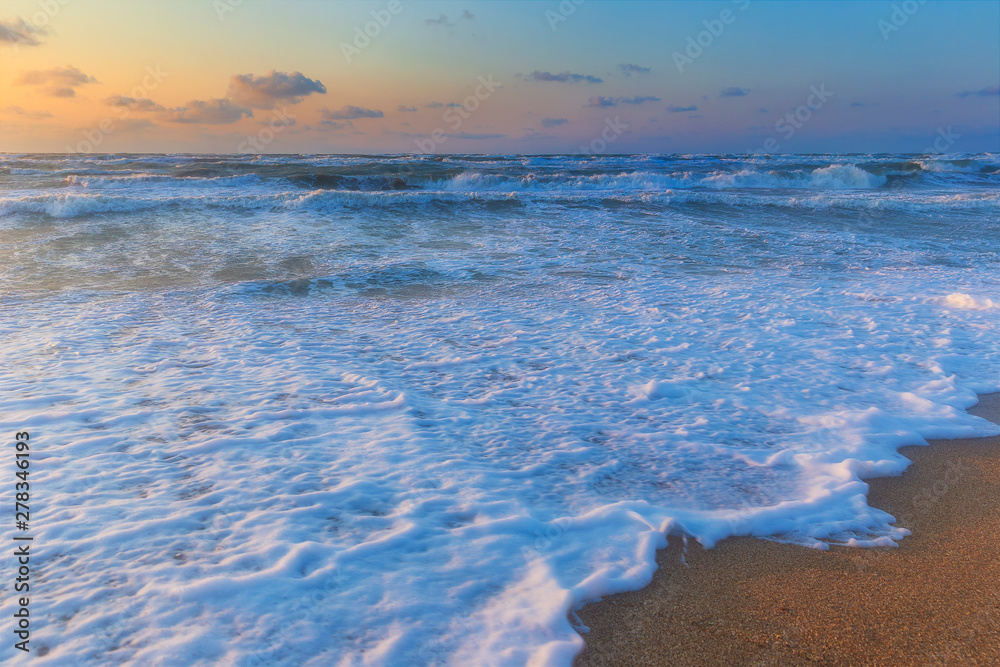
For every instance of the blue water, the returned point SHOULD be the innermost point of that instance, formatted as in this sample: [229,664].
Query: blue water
[414,410]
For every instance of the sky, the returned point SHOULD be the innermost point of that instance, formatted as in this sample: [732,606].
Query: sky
[545,76]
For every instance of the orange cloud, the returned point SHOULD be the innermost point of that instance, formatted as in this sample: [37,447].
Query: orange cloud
[58,82]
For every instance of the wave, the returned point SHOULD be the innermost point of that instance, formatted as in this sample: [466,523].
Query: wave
[521,173]
[77,205]
[71,187]
[139,178]
[834,177]
[347,182]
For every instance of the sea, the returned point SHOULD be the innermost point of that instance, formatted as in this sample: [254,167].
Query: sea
[418,410]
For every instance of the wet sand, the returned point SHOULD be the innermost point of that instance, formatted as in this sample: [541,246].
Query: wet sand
[934,600]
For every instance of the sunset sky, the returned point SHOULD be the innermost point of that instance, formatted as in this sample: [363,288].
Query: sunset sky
[515,77]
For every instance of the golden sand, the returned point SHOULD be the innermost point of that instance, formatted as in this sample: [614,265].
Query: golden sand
[934,600]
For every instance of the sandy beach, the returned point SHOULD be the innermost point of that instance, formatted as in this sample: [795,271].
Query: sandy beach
[934,600]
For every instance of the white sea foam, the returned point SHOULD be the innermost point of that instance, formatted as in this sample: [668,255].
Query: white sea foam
[833,177]
[208,197]
[968,302]
[940,165]
[309,427]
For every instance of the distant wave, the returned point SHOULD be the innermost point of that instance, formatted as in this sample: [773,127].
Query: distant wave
[74,186]
[487,173]
[76,205]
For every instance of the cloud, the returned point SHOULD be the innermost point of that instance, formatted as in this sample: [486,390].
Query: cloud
[58,81]
[762,110]
[639,99]
[601,101]
[564,77]
[134,103]
[863,105]
[208,112]
[334,125]
[246,92]
[466,135]
[553,122]
[349,112]
[441,20]
[629,69]
[17,110]
[673,108]
[20,33]
[733,91]
[989,91]
[403,107]
[266,92]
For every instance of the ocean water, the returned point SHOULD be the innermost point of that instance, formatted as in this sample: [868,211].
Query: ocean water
[401,410]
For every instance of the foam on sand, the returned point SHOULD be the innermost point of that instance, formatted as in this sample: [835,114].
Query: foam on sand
[275,426]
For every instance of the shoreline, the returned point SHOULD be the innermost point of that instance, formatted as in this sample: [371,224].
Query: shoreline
[934,599]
